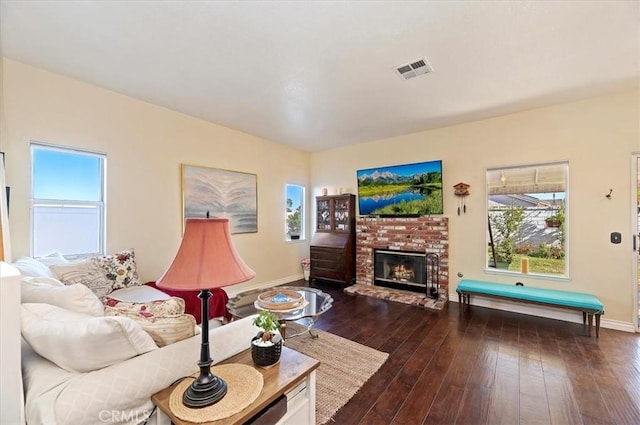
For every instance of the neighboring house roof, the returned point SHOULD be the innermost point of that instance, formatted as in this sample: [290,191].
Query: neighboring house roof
[520,201]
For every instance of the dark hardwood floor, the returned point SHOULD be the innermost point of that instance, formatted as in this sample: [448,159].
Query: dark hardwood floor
[485,367]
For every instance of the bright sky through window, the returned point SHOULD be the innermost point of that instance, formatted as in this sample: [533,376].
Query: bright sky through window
[63,175]
[294,193]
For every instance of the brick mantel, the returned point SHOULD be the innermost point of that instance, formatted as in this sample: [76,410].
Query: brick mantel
[420,234]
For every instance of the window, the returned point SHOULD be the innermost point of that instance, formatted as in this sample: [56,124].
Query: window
[527,219]
[67,201]
[294,212]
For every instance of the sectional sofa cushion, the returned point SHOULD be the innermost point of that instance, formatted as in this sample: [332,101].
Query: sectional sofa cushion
[81,343]
[139,294]
[48,290]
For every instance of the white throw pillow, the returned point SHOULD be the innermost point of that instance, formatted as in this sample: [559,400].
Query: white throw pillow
[30,267]
[76,297]
[79,342]
[86,273]
[51,282]
[53,259]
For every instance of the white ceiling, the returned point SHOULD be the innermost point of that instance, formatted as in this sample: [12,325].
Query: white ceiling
[320,74]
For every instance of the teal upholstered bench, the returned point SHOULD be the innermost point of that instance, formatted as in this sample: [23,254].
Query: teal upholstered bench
[588,304]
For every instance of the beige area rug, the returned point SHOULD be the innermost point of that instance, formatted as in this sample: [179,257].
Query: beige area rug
[396,295]
[345,367]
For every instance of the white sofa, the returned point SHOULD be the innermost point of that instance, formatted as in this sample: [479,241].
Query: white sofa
[80,366]
[120,393]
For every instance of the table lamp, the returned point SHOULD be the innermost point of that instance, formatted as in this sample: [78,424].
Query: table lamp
[206,259]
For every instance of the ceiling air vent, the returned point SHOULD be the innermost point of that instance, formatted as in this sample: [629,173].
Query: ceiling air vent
[414,68]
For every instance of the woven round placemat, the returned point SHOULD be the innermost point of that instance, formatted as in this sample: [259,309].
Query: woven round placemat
[244,385]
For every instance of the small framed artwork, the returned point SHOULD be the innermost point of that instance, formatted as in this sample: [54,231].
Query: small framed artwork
[213,192]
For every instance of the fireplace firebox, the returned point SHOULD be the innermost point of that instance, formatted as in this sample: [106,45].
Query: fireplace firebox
[406,270]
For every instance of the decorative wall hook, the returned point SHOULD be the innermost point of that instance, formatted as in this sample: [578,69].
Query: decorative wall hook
[461,191]
[608,196]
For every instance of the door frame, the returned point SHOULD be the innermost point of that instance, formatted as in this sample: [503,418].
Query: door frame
[635,169]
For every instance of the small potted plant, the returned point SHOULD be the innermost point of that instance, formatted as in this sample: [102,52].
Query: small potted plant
[556,220]
[267,345]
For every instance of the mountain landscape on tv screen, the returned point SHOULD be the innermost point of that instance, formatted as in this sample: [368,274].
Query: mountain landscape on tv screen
[411,189]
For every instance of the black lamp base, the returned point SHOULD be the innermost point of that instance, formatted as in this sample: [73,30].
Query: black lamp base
[203,395]
[207,389]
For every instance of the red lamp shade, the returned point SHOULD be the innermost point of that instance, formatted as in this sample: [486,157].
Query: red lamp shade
[206,258]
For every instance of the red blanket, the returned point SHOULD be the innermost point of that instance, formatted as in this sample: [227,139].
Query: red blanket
[192,304]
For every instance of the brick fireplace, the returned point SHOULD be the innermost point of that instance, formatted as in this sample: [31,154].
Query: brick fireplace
[427,234]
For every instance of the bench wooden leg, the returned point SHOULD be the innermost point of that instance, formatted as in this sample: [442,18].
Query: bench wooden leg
[598,325]
[463,300]
[584,317]
[590,322]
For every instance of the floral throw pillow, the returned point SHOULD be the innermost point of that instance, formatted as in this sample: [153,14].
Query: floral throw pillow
[173,305]
[164,329]
[120,268]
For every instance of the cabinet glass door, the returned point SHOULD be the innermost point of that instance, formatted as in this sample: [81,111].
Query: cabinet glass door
[341,214]
[324,215]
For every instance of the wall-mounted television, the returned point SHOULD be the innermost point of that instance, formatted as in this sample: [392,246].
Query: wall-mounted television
[401,190]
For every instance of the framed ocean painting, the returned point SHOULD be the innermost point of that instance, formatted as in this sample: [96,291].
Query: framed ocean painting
[214,192]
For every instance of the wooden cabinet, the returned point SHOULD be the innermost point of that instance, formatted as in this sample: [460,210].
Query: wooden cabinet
[333,245]
[336,213]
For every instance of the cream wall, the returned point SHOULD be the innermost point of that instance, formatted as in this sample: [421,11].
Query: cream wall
[597,136]
[145,145]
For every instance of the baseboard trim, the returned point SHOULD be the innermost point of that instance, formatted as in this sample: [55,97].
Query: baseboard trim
[546,312]
[617,325]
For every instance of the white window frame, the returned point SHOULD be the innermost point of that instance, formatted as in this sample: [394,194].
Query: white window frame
[303,213]
[546,276]
[70,203]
